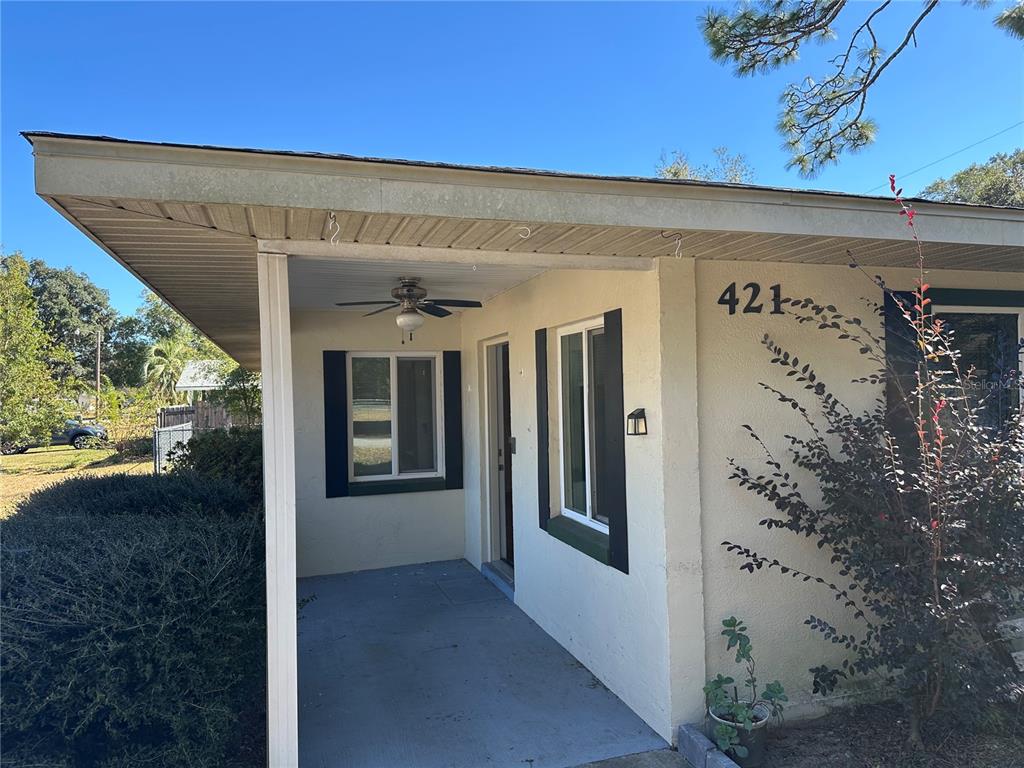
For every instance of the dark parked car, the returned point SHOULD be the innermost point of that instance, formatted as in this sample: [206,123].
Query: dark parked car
[75,434]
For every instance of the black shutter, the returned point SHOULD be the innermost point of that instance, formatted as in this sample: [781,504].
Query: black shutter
[970,297]
[335,424]
[543,470]
[452,398]
[902,356]
[612,452]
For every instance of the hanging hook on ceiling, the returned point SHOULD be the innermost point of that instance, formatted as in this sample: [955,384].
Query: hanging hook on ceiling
[520,231]
[678,237]
[334,227]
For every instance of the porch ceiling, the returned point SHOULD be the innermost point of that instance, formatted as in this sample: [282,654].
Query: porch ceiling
[320,283]
[189,221]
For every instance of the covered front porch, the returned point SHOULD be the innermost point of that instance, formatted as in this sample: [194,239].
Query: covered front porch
[430,665]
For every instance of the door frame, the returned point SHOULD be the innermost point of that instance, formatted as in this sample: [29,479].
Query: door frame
[494,492]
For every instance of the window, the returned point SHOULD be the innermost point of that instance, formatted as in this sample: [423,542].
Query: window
[988,339]
[581,361]
[395,407]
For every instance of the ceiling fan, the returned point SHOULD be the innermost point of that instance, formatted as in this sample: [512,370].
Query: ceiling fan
[412,298]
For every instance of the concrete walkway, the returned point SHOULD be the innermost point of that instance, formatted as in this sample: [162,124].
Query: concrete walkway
[429,666]
[662,758]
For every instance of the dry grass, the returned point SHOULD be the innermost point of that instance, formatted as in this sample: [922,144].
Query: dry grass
[24,473]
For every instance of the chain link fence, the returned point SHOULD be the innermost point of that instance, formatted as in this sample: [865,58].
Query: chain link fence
[166,439]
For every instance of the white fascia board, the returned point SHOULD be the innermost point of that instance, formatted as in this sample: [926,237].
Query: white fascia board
[90,168]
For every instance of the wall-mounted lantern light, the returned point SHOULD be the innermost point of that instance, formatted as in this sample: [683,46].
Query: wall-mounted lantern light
[636,422]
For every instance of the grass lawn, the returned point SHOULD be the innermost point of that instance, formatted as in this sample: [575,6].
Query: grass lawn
[24,473]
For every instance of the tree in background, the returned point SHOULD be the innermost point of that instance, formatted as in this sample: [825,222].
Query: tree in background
[1012,20]
[174,343]
[141,355]
[241,394]
[33,397]
[160,321]
[125,351]
[821,118]
[1000,181]
[72,310]
[128,415]
[166,361]
[732,168]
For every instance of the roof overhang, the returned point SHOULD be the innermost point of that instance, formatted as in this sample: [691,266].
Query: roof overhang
[188,221]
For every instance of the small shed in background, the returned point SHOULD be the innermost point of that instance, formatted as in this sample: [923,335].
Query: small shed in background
[199,378]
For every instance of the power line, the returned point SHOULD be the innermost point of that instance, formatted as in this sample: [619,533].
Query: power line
[951,154]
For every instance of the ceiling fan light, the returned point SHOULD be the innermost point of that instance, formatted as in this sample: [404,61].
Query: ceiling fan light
[409,320]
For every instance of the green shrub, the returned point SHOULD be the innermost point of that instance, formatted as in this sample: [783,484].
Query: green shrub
[133,637]
[122,494]
[235,455]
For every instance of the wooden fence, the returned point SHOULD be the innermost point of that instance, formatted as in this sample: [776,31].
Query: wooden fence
[202,415]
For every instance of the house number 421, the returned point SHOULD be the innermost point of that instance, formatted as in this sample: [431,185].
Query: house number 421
[730,298]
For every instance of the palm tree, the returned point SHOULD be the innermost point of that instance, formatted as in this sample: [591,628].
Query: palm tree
[166,361]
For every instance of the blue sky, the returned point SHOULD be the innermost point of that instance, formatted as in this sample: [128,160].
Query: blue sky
[596,88]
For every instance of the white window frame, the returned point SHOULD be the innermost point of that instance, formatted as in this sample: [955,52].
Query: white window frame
[964,309]
[582,327]
[438,416]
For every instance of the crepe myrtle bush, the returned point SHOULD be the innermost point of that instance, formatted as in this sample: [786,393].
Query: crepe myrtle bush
[918,502]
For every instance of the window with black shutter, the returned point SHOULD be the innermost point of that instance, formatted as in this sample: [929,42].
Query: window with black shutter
[392,422]
[589,442]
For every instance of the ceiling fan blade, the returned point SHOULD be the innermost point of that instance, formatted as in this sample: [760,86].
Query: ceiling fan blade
[382,309]
[430,309]
[454,303]
[361,303]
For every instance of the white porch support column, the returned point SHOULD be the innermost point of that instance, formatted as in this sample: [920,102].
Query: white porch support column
[279,495]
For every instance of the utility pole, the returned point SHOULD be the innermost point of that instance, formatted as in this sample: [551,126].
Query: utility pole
[99,340]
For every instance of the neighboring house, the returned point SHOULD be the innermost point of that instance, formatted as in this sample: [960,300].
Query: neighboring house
[383,449]
[199,378]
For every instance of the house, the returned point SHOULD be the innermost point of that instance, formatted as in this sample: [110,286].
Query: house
[498,433]
[199,378]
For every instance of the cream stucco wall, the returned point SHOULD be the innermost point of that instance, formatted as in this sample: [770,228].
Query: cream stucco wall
[617,624]
[730,362]
[355,533]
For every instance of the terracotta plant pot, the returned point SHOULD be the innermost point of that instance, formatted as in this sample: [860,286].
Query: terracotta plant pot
[754,740]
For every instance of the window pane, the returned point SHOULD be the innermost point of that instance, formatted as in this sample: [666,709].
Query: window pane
[573,412]
[595,351]
[988,342]
[416,418]
[371,416]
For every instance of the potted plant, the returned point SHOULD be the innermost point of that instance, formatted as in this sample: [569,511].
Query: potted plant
[737,723]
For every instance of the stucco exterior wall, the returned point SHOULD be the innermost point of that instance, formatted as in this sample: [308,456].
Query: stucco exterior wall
[615,623]
[730,362]
[356,533]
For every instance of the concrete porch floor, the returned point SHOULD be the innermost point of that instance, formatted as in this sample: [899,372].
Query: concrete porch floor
[430,666]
